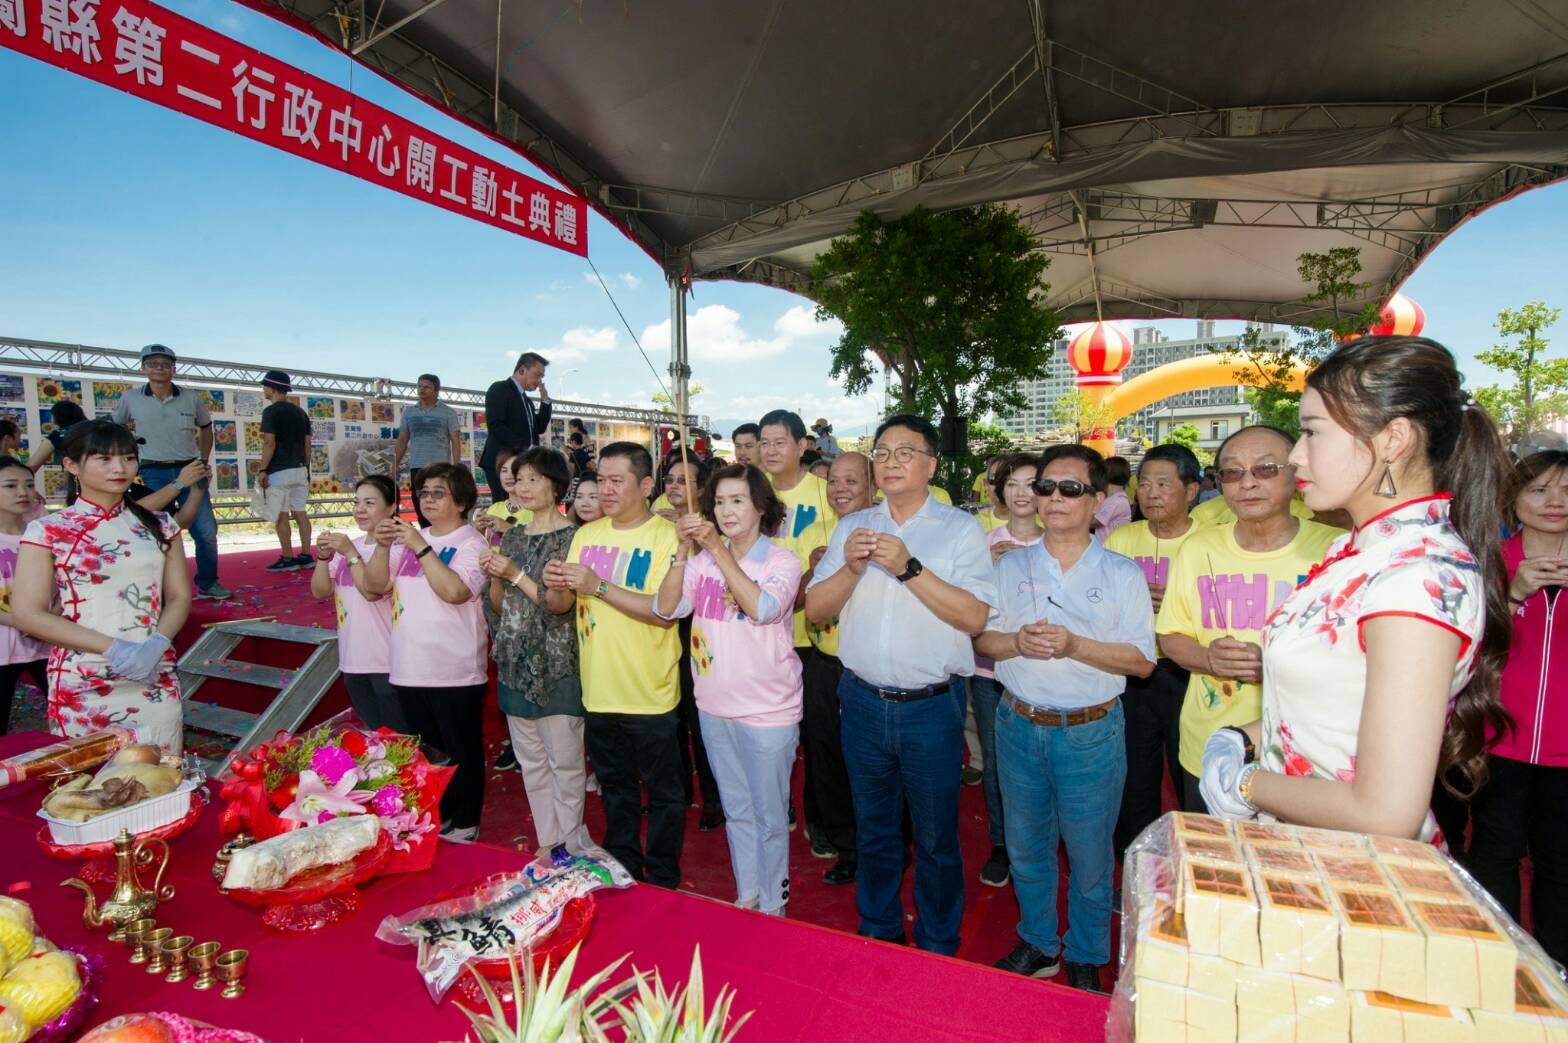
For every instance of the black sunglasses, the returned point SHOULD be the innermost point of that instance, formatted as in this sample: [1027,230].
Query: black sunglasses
[1070,488]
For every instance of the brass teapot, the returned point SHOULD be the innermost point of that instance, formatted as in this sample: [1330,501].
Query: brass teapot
[129,901]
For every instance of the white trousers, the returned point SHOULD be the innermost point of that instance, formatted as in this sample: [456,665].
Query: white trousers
[550,755]
[752,765]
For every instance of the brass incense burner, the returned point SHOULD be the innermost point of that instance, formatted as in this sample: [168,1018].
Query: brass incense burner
[129,901]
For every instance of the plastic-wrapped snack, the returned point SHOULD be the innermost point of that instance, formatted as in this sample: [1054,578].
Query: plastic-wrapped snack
[1379,1016]
[1429,882]
[1209,849]
[1298,927]
[41,986]
[1281,858]
[1164,955]
[1252,831]
[1357,872]
[1470,962]
[1221,911]
[507,916]
[67,755]
[1380,947]
[1540,1010]
[1397,850]
[1290,1008]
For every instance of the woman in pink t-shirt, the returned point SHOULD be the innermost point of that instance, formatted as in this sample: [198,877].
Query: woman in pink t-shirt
[439,666]
[740,592]
[19,653]
[364,617]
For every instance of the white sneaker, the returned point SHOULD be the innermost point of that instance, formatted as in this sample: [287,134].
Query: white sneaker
[593,784]
[466,835]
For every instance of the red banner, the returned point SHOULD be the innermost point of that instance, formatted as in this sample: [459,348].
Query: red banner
[152,53]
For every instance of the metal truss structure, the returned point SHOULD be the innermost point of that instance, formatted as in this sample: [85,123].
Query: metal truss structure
[38,356]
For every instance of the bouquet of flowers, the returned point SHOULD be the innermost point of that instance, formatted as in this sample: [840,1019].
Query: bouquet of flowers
[338,769]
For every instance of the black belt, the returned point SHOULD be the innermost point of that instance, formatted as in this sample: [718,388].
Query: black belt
[175,464]
[904,695]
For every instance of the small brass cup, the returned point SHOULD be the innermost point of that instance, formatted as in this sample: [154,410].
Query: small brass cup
[139,944]
[133,932]
[153,942]
[174,951]
[203,959]
[232,967]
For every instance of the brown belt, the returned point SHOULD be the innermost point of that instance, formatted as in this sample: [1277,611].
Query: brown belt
[1058,718]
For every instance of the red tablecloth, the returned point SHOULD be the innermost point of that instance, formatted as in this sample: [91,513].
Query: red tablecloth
[803,982]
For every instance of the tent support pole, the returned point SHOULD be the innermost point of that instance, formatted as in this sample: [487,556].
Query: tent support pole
[680,370]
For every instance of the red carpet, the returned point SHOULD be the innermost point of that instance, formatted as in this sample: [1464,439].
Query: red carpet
[990,914]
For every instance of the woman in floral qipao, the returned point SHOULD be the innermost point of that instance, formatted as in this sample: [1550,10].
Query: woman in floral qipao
[117,572]
[1383,665]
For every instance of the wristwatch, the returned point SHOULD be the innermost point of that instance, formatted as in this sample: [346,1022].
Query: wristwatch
[421,553]
[601,590]
[1244,784]
[913,569]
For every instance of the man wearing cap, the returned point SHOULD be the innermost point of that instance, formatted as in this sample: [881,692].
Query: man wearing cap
[175,428]
[284,475]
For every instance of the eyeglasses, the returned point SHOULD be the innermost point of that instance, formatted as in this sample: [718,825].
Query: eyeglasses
[1070,488]
[903,454]
[433,494]
[1265,472]
[157,364]
[675,479]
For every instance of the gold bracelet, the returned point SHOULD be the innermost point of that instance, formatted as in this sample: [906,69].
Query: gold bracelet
[1244,784]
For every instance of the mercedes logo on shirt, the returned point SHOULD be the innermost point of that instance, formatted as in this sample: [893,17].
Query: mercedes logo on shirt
[1094,596]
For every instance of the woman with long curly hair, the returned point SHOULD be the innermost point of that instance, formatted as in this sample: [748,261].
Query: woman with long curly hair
[1383,664]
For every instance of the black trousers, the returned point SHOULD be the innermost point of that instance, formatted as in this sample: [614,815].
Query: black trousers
[452,720]
[688,731]
[376,701]
[828,805]
[1152,708]
[1520,811]
[1190,796]
[624,748]
[11,673]
[1452,813]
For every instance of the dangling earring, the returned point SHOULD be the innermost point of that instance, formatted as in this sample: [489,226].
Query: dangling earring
[1385,488]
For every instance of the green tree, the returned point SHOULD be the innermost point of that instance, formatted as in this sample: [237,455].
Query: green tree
[662,401]
[1079,416]
[1539,391]
[1266,367]
[951,302]
[1189,436]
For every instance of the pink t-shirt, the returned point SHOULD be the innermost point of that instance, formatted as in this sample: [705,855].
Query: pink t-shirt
[15,646]
[743,670]
[985,666]
[364,627]
[1114,512]
[437,644]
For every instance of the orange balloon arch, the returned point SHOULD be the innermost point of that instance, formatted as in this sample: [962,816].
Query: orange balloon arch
[1194,374]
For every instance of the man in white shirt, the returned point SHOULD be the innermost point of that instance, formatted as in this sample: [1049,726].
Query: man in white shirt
[910,581]
[1073,622]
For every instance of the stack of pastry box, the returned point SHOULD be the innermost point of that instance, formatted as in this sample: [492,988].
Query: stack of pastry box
[1277,934]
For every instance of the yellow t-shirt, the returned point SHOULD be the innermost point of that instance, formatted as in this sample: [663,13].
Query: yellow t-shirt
[661,504]
[941,495]
[501,509]
[989,520]
[627,666]
[808,524]
[1216,589]
[1216,511]
[1153,555]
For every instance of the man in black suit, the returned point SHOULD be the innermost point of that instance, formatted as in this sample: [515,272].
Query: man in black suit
[512,419]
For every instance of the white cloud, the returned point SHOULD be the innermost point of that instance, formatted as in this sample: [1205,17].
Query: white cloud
[715,334]
[590,278]
[576,345]
[631,281]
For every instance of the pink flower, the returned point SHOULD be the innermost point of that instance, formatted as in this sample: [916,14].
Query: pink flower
[406,828]
[332,763]
[1347,774]
[387,801]
[1296,765]
[314,798]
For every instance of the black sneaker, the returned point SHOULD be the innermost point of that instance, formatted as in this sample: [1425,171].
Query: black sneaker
[305,561]
[1083,976]
[970,776]
[842,872]
[997,869]
[508,759]
[820,848]
[712,817]
[285,563]
[792,816]
[1025,959]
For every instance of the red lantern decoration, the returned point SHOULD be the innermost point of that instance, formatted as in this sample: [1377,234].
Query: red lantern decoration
[1401,316]
[1099,354]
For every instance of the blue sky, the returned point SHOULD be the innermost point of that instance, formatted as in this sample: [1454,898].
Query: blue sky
[124,223]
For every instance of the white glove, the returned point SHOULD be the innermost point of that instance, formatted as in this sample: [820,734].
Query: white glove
[1224,755]
[137,660]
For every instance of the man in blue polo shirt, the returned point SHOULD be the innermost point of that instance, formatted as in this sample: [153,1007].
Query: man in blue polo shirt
[1073,622]
[175,428]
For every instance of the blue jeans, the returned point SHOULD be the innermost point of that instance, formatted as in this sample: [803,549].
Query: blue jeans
[204,528]
[1062,782]
[898,752]
[987,694]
